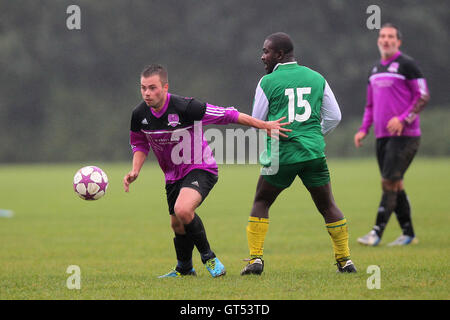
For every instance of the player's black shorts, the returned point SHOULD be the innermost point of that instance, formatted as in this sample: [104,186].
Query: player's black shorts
[395,154]
[200,180]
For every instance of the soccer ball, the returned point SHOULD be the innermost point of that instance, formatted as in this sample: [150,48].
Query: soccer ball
[90,183]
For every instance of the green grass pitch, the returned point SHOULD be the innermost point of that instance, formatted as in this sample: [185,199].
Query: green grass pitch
[122,242]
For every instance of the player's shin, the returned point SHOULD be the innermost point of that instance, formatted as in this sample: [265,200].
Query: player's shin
[183,248]
[387,205]
[196,232]
[256,234]
[338,232]
[403,213]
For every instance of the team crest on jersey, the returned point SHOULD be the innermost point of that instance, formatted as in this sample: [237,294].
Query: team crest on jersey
[173,119]
[393,67]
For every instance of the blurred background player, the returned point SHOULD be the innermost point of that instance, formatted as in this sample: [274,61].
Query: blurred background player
[396,93]
[305,97]
[159,122]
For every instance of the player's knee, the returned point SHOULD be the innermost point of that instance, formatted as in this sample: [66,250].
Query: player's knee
[184,214]
[392,185]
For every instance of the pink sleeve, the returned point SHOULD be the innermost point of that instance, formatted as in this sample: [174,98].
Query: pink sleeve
[368,112]
[419,89]
[219,115]
[139,142]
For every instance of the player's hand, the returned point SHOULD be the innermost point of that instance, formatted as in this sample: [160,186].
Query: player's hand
[395,126]
[128,179]
[274,128]
[359,136]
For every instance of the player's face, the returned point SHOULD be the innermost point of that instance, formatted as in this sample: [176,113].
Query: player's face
[269,56]
[388,43]
[153,91]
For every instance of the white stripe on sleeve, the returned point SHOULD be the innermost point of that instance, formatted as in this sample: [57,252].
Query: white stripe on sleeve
[215,111]
[260,104]
[330,112]
[422,87]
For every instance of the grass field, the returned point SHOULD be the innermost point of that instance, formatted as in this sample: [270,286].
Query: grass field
[123,242]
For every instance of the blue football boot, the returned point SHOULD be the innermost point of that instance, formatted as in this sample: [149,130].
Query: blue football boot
[215,267]
[403,240]
[175,274]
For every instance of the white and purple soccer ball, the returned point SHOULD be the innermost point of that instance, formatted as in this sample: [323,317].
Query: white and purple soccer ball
[90,183]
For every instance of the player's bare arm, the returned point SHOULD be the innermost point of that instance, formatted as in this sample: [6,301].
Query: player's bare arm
[418,107]
[138,161]
[269,126]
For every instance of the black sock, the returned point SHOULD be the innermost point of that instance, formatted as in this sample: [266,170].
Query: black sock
[183,248]
[387,205]
[196,231]
[403,213]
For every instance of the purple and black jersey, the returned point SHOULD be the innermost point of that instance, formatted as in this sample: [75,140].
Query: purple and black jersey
[175,134]
[394,87]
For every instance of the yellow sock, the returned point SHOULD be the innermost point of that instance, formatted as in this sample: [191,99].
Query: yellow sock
[256,233]
[339,237]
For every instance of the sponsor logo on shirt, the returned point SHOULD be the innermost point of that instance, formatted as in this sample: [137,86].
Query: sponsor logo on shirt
[144,121]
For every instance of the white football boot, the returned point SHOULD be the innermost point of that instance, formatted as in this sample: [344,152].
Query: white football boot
[370,239]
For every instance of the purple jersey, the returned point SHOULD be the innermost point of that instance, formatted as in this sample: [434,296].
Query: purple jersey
[394,87]
[175,134]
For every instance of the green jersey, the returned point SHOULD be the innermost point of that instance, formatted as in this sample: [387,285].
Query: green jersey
[297,93]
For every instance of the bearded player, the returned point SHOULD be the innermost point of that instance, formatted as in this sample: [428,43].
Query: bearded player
[396,93]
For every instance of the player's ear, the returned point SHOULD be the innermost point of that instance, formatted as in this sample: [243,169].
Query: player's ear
[166,86]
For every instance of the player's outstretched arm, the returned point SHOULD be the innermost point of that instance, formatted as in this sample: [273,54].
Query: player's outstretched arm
[272,127]
[138,161]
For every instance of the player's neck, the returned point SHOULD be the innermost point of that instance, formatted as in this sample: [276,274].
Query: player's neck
[287,60]
[386,56]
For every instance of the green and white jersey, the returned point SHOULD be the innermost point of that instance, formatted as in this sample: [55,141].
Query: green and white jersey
[302,96]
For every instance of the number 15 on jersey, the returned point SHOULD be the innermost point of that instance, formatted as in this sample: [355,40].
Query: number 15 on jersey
[301,103]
